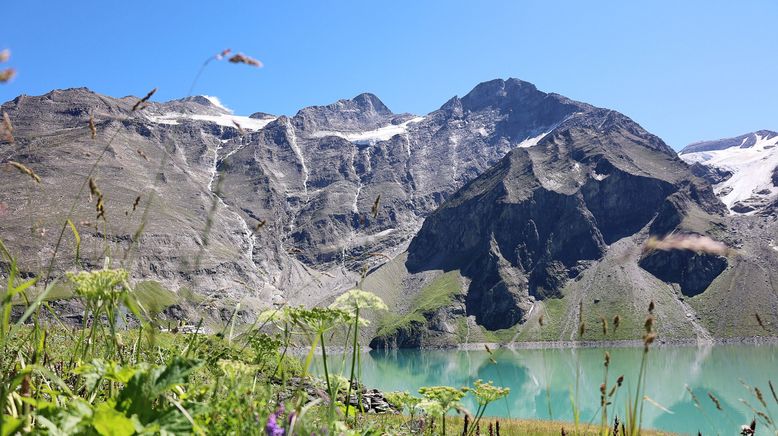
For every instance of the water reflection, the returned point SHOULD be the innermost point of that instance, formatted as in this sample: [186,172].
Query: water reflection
[543,381]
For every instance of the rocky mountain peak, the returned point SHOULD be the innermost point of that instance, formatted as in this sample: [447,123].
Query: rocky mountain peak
[363,112]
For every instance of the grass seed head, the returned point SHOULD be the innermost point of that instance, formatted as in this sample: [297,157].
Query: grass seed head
[139,104]
[715,401]
[92,127]
[376,203]
[7,74]
[240,58]
[7,128]
[26,170]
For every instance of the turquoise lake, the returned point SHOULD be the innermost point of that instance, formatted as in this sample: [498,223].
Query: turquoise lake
[542,381]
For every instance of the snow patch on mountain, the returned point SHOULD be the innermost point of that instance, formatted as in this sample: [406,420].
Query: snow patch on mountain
[752,169]
[216,102]
[371,136]
[246,123]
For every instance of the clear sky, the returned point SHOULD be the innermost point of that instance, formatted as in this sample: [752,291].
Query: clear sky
[685,70]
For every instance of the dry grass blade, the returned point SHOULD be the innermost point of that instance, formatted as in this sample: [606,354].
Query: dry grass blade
[240,129]
[143,155]
[26,170]
[376,203]
[759,396]
[715,401]
[772,391]
[135,203]
[760,322]
[604,323]
[616,322]
[143,100]
[222,54]
[696,243]
[95,191]
[240,58]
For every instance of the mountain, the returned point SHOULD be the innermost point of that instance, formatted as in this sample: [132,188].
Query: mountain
[556,231]
[743,170]
[471,221]
[286,201]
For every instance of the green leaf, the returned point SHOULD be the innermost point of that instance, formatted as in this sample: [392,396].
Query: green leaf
[77,237]
[11,425]
[110,422]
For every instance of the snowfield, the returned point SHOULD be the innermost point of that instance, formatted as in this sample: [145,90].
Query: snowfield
[246,123]
[751,168]
[371,136]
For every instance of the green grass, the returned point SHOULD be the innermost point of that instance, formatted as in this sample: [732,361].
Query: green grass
[437,294]
[154,297]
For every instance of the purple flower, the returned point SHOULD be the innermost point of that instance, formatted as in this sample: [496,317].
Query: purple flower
[272,428]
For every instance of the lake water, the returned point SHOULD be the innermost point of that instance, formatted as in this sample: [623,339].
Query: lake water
[542,381]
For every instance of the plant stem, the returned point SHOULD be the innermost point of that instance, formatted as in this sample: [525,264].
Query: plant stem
[353,359]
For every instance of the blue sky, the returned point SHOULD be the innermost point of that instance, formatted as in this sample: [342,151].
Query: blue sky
[685,70]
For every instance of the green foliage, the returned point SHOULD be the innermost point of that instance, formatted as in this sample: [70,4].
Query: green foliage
[436,295]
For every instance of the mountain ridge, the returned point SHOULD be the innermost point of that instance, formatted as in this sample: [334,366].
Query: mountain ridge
[273,210]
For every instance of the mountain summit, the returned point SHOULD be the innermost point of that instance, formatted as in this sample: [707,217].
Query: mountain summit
[501,206]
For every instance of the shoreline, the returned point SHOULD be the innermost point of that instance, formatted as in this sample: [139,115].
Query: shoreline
[557,345]
[623,343]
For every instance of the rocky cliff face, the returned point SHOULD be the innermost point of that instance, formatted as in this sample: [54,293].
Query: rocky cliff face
[264,208]
[537,202]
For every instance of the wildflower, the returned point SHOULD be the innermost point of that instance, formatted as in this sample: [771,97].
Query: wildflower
[357,299]
[101,285]
[486,393]
[446,396]
[272,428]
[748,429]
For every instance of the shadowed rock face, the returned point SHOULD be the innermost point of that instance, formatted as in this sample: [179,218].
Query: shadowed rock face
[286,200]
[521,230]
[693,272]
[523,192]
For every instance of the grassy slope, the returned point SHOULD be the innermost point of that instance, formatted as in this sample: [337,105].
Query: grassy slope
[517,427]
[438,294]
